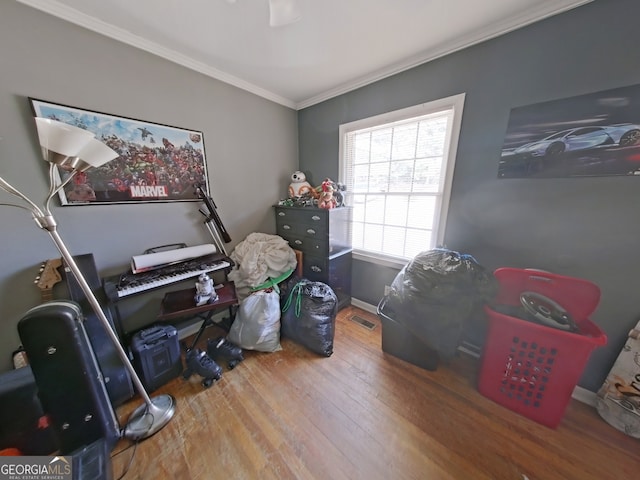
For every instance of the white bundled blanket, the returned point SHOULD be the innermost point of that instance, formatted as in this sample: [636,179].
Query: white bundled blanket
[258,258]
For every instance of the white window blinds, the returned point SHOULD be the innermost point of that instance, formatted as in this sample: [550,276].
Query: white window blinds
[397,168]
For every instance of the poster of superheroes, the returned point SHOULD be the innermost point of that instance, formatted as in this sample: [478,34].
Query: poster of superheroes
[156,163]
[595,134]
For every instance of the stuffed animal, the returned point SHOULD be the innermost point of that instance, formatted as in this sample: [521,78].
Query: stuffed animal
[299,185]
[327,200]
[338,193]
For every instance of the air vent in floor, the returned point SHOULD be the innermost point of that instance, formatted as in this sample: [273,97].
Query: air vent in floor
[369,325]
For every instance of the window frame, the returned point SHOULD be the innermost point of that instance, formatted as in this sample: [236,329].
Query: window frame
[455,103]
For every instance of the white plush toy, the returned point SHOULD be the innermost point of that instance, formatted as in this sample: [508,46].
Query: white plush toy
[299,185]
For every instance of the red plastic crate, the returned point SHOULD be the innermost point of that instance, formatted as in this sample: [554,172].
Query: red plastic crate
[531,368]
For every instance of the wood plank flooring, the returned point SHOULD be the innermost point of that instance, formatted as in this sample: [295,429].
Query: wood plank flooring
[364,414]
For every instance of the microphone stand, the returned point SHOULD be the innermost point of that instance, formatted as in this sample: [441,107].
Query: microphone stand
[213,221]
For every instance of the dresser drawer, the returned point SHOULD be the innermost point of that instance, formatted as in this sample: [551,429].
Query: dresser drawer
[308,245]
[331,270]
[334,271]
[307,216]
[287,228]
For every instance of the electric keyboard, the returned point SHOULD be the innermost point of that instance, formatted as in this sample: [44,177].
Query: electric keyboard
[126,284]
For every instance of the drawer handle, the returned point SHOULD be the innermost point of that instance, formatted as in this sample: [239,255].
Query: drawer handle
[282,214]
[298,242]
[315,268]
[311,231]
[315,218]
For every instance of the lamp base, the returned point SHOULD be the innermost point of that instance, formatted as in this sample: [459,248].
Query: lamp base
[149,419]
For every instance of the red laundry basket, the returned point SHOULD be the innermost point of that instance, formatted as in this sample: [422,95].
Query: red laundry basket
[531,368]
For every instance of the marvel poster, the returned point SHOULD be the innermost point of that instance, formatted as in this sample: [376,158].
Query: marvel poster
[156,163]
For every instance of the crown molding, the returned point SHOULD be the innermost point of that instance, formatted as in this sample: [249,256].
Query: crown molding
[546,9]
[72,15]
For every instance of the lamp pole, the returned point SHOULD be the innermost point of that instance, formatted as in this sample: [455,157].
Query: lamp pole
[138,426]
[156,412]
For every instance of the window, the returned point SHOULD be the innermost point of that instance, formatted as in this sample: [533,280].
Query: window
[397,169]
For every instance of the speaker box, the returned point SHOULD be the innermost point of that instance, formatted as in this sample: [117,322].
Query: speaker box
[70,383]
[156,355]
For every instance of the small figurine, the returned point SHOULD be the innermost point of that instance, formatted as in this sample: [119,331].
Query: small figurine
[299,185]
[205,293]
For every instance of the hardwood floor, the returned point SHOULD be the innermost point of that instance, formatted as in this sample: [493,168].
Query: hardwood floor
[363,414]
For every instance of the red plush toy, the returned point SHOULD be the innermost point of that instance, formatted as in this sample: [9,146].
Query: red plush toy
[327,199]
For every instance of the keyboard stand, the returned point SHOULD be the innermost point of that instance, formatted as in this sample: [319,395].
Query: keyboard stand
[182,304]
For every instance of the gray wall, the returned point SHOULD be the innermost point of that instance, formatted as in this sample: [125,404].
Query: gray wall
[251,147]
[583,227]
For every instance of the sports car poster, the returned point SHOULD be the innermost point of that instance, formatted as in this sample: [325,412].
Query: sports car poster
[156,163]
[596,134]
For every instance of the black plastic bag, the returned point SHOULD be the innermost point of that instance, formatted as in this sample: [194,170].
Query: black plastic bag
[435,294]
[442,277]
[309,312]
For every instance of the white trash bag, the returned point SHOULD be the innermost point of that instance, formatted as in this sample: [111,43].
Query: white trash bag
[257,322]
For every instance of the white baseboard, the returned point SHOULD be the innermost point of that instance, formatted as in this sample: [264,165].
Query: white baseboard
[580,394]
[585,396]
[364,306]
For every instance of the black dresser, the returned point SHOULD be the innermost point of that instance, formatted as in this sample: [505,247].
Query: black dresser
[324,238]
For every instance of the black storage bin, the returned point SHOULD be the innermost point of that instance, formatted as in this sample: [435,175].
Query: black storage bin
[401,343]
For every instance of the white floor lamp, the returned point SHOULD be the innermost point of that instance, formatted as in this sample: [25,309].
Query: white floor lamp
[76,150]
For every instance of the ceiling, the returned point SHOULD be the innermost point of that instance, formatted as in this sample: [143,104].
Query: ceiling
[337,46]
